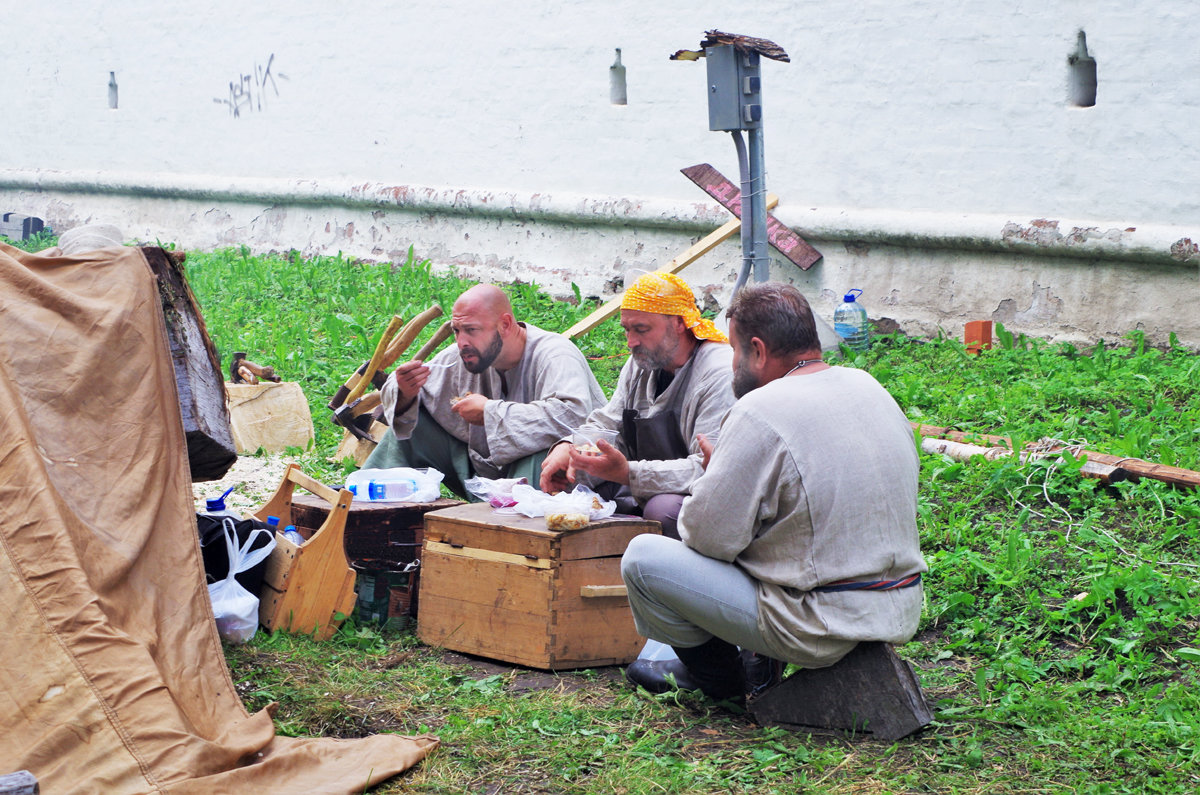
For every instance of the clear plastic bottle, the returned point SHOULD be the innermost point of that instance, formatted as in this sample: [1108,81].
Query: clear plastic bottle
[850,322]
[292,534]
[391,489]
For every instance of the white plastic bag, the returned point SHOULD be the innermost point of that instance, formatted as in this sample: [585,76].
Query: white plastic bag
[533,503]
[653,650]
[495,492]
[235,608]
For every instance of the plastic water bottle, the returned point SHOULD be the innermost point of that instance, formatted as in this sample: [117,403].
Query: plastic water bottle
[292,534]
[391,489]
[850,322]
[216,506]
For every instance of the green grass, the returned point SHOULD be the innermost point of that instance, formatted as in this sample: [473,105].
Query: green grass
[317,319]
[1059,644]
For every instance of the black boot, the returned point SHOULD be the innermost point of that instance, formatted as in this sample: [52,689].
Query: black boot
[761,671]
[713,668]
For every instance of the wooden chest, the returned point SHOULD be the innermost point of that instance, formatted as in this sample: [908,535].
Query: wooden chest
[505,587]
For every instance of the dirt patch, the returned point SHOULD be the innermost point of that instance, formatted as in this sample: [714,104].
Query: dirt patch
[529,680]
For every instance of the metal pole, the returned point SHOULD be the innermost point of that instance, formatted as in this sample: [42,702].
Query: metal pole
[758,207]
[747,211]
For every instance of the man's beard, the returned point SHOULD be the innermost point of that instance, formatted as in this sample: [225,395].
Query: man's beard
[660,358]
[483,359]
[743,381]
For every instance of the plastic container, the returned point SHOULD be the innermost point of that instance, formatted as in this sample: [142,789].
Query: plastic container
[391,489]
[292,534]
[586,440]
[216,506]
[850,322]
[383,485]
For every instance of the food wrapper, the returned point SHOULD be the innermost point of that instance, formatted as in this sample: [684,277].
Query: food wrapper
[566,507]
[497,493]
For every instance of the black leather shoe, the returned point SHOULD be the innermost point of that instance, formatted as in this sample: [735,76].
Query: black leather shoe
[654,675]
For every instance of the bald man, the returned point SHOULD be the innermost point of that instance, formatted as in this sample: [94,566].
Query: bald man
[492,405]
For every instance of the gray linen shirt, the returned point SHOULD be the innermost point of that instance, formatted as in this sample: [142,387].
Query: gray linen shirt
[814,481]
[529,408]
[700,393]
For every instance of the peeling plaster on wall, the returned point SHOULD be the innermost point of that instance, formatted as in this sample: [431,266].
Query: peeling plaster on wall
[1044,309]
[923,290]
[1184,250]
[1043,232]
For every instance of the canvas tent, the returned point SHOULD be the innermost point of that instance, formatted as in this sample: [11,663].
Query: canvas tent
[114,679]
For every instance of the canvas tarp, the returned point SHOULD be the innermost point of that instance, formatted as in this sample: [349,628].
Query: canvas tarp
[113,676]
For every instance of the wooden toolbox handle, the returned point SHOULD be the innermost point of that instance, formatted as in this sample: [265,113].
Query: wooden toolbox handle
[594,591]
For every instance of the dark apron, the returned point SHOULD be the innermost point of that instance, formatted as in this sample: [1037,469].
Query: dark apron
[654,438]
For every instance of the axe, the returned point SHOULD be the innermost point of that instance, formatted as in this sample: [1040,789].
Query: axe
[391,354]
[351,414]
[373,365]
[244,371]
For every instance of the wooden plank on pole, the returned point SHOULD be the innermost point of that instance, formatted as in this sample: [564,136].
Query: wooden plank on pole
[695,252]
[789,244]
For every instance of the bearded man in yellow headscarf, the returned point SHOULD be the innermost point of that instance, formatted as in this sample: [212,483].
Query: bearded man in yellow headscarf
[672,395]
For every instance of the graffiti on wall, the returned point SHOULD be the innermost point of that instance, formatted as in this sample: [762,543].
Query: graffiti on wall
[250,92]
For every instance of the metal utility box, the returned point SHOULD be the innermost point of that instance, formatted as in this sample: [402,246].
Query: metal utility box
[505,587]
[734,89]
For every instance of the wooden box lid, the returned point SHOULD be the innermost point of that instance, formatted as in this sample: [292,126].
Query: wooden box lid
[477,525]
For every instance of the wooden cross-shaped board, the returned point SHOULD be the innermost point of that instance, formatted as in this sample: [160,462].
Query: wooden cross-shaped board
[788,242]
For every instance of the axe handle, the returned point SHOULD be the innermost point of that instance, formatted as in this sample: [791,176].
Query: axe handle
[408,334]
[439,336]
[373,365]
[366,404]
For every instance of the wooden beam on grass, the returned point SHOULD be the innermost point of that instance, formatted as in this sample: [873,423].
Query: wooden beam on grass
[1132,467]
[697,250]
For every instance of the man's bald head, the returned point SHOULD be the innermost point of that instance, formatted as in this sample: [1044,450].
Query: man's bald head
[485,301]
[485,330]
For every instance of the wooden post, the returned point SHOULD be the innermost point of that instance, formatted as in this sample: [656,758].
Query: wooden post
[198,375]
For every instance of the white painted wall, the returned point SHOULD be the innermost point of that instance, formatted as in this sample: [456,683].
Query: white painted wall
[914,144]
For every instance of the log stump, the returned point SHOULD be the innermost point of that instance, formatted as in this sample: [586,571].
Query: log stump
[869,693]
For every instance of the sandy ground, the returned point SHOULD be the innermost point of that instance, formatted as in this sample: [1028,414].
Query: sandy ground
[253,478]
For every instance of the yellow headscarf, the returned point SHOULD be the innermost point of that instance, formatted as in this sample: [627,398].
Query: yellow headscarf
[664,293]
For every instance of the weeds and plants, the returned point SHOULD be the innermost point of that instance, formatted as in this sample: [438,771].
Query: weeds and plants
[1060,642]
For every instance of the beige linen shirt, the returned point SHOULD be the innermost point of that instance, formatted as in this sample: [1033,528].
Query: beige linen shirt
[700,393]
[530,407]
[814,481]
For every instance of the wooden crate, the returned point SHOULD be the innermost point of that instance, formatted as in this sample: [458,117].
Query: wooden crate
[505,587]
[374,530]
[379,536]
[307,588]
